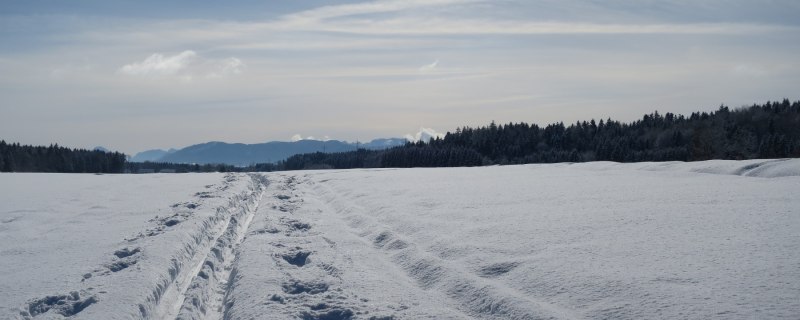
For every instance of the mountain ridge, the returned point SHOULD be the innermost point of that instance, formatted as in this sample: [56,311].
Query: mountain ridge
[242,154]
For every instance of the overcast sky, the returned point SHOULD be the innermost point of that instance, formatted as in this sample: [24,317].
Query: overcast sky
[137,75]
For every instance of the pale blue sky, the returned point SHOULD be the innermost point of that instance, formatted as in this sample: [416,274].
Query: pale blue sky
[136,75]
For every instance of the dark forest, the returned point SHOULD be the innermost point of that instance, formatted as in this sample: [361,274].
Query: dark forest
[770,130]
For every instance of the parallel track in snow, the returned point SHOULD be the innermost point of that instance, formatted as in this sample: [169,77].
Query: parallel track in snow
[199,291]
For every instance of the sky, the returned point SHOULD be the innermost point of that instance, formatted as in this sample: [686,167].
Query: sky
[138,75]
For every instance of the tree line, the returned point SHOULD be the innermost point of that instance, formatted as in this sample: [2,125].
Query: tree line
[418,154]
[769,130]
[25,158]
[15,157]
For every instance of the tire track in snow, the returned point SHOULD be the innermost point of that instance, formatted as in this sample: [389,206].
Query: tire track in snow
[199,293]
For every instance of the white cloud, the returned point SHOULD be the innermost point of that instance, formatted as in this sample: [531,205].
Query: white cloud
[424,134]
[157,64]
[187,64]
[429,67]
[298,137]
[225,67]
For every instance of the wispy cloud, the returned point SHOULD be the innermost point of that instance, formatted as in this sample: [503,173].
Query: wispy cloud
[374,7]
[390,24]
[429,67]
[447,26]
[408,17]
[158,65]
[187,64]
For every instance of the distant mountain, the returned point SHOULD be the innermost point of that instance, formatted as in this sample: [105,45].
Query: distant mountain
[384,143]
[240,154]
[151,155]
[99,148]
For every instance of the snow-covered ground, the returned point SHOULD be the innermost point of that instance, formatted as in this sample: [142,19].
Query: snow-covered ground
[714,239]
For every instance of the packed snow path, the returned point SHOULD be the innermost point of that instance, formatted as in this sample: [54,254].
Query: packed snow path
[715,239]
[173,264]
[200,292]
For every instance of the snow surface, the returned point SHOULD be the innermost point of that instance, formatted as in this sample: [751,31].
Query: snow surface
[703,240]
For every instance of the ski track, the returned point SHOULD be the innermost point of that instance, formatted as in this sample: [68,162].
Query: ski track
[196,280]
[200,292]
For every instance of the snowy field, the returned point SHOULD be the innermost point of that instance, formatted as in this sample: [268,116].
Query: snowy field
[704,240]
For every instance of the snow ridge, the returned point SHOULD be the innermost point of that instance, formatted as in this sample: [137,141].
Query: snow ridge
[475,295]
[755,168]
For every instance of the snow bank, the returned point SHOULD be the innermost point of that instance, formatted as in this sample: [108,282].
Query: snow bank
[771,168]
